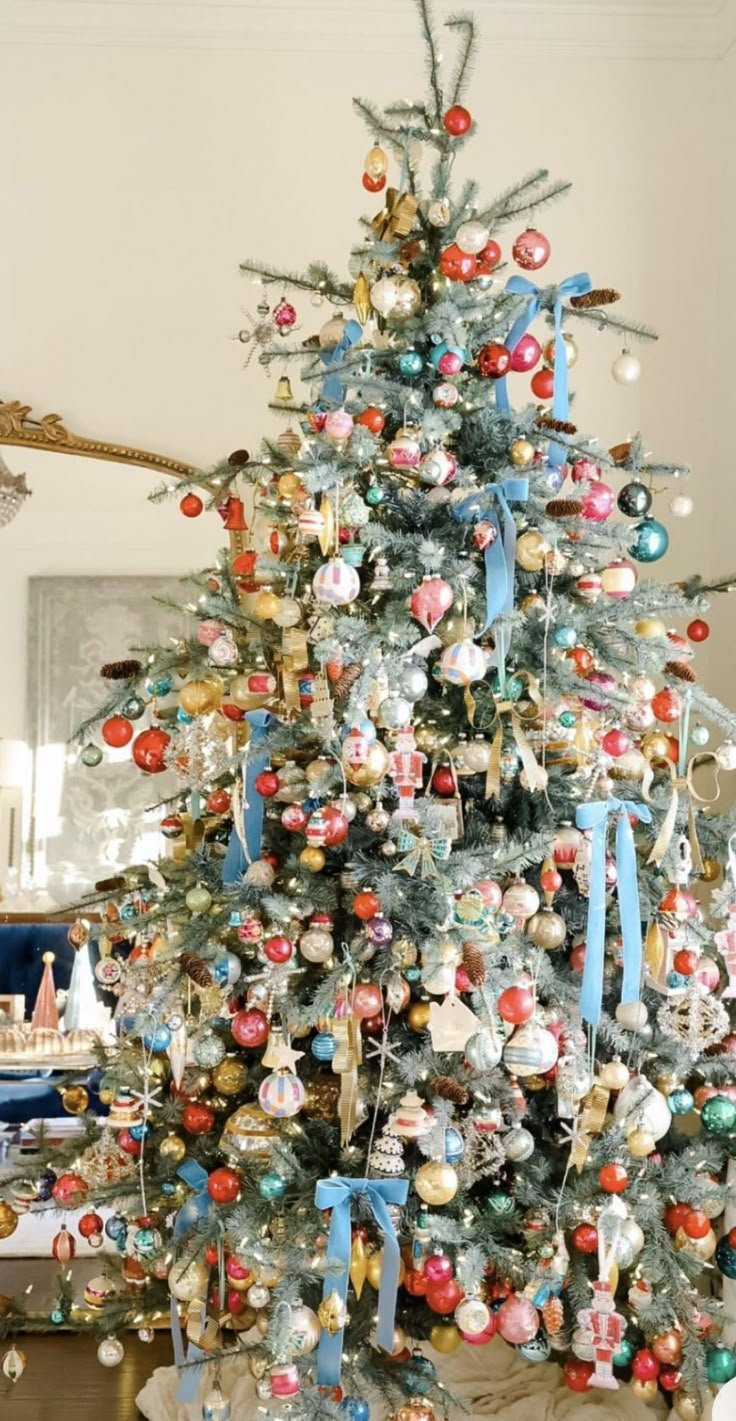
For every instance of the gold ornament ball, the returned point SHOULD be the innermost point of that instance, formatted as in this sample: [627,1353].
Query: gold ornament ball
[531,550]
[456,627]
[158,1068]
[650,627]
[374,1269]
[106,1095]
[8,1220]
[288,485]
[533,605]
[522,453]
[667,1347]
[428,738]
[445,1337]
[75,1099]
[229,1076]
[263,1322]
[686,1407]
[640,1143]
[655,745]
[200,697]
[711,870]
[667,1082]
[266,605]
[312,858]
[418,1016]
[319,770]
[374,769]
[571,350]
[703,1248]
[547,929]
[416,1409]
[535,1083]
[172,1147]
[644,1391]
[436,1183]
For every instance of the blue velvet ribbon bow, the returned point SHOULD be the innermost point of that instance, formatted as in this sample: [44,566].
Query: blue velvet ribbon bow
[235,859]
[198,1204]
[337,1194]
[594,815]
[521,286]
[491,504]
[333,389]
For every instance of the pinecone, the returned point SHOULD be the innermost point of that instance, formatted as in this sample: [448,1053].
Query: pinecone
[195,968]
[553,1314]
[620,453]
[560,426]
[682,670]
[346,680]
[600,296]
[449,1089]
[121,670]
[473,963]
[563,507]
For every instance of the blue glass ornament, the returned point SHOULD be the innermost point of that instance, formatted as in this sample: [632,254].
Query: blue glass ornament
[46,1184]
[324,1046]
[133,708]
[538,1350]
[720,1365]
[168,1187]
[681,1102]
[116,1228]
[227,969]
[160,686]
[622,1356]
[675,981]
[183,717]
[411,362]
[565,636]
[158,1039]
[726,1258]
[552,480]
[374,495]
[137,1132]
[57,1317]
[413,974]
[419,1375]
[145,1242]
[454,1145]
[272,1186]
[567,719]
[651,541]
[356,1408]
[128,911]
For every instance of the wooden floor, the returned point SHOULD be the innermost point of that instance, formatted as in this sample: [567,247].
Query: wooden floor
[63,1380]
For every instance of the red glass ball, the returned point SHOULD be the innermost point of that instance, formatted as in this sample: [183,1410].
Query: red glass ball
[438,1268]
[196,1118]
[294,818]
[149,748]
[366,905]
[696,1224]
[232,712]
[443,780]
[223,1185]
[525,353]
[550,880]
[577,1374]
[336,825]
[667,704]
[456,121]
[670,1379]
[70,1190]
[585,1238]
[488,258]
[462,980]
[278,948]
[582,659]
[616,742]
[516,1004]
[613,1178]
[235,1302]
[267,783]
[372,1025]
[250,1027]
[218,802]
[543,384]
[211,1255]
[127,1144]
[598,502]
[644,1365]
[191,505]
[698,630]
[685,961]
[89,1225]
[457,265]
[415,1284]
[372,418]
[494,360]
[445,1296]
[577,957]
[373,184]
[117,731]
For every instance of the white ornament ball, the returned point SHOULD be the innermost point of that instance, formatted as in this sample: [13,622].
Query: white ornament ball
[303,1330]
[316,945]
[681,506]
[439,212]
[476,756]
[632,1015]
[110,1352]
[626,369]
[471,236]
[726,756]
[289,613]
[641,1106]
[188,1282]
[518,1144]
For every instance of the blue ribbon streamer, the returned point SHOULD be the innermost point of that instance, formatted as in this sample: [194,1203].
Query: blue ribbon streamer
[521,286]
[333,389]
[198,1204]
[594,815]
[190,1377]
[235,860]
[336,1194]
[491,503]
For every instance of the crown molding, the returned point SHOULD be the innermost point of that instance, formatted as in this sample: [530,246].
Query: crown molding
[606,29]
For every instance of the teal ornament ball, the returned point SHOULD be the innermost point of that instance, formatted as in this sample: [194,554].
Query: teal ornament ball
[272,1186]
[625,1351]
[718,1115]
[160,686]
[183,717]
[499,1203]
[374,495]
[634,500]
[57,1317]
[418,1375]
[91,756]
[651,541]
[681,1102]
[700,735]
[726,1258]
[133,708]
[565,636]
[675,981]
[567,719]
[720,1365]
[413,974]
[157,1039]
[324,1046]
[411,362]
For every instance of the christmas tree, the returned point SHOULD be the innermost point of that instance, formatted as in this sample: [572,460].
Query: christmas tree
[435,899]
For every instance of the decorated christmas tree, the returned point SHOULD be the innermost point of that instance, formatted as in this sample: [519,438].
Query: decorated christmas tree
[423,1015]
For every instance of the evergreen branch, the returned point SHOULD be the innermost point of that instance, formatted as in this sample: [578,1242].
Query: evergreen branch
[317,277]
[604,320]
[532,191]
[432,57]
[378,125]
[464,63]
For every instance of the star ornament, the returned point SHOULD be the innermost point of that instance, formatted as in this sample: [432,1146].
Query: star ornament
[284,1058]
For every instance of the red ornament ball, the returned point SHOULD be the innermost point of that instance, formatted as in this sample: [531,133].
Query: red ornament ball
[117,731]
[223,1185]
[371,418]
[457,265]
[456,121]
[366,905]
[250,1027]
[613,1178]
[462,980]
[336,825]
[675,1216]
[582,659]
[149,748]
[685,961]
[531,250]
[585,1238]
[70,1190]
[516,1004]
[644,1365]
[667,704]
[372,1025]
[443,780]
[438,1268]
[415,1284]
[278,948]
[127,1144]
[696,1224]
[577,1374]
[89,1225]
[211,1255]
[196,1118]
[444,1296]
[616,742]
[218,802]
[191,505]
[374,184]
[494,360]
[294,818]
[543,384]
[577,957]
[235,1302]
[267,783]
[488,258]
[550,880]
[698,630]
[670,1378]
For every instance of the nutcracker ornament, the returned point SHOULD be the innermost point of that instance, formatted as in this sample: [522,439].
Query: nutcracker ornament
[606,1327]
[405,768]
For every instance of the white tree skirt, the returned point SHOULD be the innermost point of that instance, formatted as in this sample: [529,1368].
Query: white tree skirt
[493,1381]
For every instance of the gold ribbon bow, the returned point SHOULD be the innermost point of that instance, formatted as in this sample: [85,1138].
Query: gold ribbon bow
[681,783]
[535,773]
[396,219]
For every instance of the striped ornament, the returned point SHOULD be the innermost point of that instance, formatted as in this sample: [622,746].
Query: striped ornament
[335,583]
[281,1094]
[463,662]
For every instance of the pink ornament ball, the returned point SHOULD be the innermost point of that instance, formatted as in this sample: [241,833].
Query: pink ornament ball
[432,598]
[518,1320]
[598,502]
[339,425]
[616,742]
[525,353]
[585,471]
[209,631]
[604,683]
[449,363]
[531,250]
[491,893]
[479,1339]
[438,1268]
[367,1000]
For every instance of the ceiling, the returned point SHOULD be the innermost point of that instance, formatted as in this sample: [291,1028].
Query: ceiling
[619,29]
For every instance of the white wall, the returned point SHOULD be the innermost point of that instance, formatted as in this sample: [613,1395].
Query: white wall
[141,176]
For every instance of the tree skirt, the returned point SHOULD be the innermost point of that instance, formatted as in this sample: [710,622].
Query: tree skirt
[492,1380]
